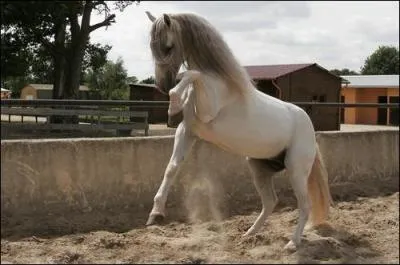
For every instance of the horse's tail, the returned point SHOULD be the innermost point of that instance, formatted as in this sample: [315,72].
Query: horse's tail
[319,192]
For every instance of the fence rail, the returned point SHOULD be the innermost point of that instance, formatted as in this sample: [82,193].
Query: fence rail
[112,114]
[164,104]
[72,115]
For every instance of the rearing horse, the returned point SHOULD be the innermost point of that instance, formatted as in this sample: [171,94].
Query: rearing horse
[222,106]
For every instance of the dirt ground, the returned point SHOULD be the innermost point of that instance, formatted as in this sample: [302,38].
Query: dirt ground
[365,230]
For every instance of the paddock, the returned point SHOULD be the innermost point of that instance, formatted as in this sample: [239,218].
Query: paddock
[86,200]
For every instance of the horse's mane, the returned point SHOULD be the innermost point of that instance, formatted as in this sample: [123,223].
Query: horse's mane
[201,47]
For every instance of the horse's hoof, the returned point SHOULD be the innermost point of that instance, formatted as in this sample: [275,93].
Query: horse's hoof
[155,219]
[290,247]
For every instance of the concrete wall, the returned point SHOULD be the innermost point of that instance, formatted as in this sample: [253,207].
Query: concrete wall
[52,178]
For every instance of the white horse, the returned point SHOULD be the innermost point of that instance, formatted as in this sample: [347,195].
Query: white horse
[222,106]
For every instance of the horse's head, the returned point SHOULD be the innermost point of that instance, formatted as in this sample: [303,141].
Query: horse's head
[166,50]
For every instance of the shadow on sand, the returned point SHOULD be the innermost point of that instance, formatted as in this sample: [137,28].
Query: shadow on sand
[336,244]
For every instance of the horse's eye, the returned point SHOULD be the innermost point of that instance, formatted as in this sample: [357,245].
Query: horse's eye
[168,50]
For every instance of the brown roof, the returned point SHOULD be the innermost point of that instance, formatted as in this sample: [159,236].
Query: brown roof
[273,71]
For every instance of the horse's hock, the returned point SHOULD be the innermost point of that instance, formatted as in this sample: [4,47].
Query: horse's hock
[64,186]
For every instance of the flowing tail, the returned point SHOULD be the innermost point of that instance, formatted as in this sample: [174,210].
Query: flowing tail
[319,192]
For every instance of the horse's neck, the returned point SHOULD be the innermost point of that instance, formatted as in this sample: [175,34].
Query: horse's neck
[210,96]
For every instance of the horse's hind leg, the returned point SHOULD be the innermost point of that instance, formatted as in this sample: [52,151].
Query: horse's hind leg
[182,145]
[299,160]
[263,180]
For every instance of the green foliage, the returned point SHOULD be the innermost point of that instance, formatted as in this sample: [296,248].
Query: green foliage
[109,81]
[95,56]
[383,61]
[40,67]
[15,56]
[48,41]
[26,27]
[132,80]
[149,80]
[344,71]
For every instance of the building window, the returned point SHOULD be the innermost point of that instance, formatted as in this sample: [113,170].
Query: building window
[314,98]
[382,112]
[318,98]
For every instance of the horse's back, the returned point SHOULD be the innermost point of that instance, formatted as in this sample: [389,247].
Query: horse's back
[285,111]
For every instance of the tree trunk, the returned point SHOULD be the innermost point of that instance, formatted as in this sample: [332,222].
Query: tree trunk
[59,65]
[72,81]
[79,38]
[73,74]
[59,61]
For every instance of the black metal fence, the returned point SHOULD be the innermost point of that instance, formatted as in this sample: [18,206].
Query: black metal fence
[151,106]
[148,105]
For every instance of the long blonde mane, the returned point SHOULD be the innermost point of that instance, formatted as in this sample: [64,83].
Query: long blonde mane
[200,46]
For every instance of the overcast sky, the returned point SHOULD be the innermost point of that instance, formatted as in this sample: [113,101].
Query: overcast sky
[333,34]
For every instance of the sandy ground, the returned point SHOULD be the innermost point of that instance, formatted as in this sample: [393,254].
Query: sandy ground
[364,230]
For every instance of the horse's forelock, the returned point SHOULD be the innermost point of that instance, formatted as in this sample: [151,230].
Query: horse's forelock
[159,39]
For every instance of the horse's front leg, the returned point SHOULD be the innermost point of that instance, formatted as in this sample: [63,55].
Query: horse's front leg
[183,144]
[176,94]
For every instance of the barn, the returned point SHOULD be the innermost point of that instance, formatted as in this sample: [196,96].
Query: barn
[45,91]
[302,83]
[149,92]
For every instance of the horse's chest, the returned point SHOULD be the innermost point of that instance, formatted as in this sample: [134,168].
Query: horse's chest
[206,132]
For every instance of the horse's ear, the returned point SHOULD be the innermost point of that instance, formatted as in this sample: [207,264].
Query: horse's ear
[167,20]
[150,16]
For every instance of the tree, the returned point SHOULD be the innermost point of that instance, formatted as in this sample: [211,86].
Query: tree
[95,56]
[149,80]
[132,80]
[344,71]
[109,81]
[383,61]
[62,29]
[15,56]
[39,67]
